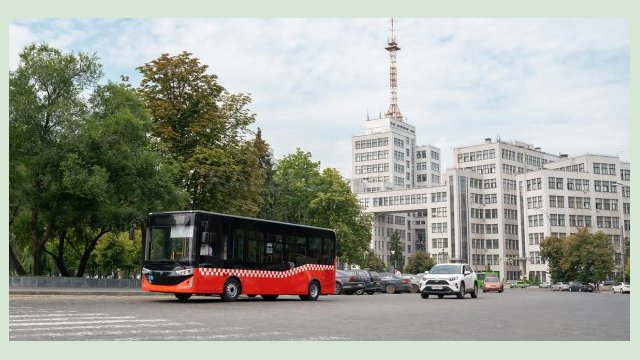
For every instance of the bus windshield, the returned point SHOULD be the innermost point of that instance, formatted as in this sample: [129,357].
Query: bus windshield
[171,239]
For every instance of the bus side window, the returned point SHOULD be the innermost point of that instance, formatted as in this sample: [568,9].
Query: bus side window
[327,252]
[238,245]
[223,244]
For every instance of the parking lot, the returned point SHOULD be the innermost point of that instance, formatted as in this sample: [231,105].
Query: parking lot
[516,314]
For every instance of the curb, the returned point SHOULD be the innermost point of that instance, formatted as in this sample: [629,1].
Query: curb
[58,291]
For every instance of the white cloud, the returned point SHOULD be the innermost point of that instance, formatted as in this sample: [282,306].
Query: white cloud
[313,81]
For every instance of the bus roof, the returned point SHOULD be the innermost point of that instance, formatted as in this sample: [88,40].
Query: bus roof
[243,218]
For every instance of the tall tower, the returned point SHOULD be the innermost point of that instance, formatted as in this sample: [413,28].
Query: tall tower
[392,47]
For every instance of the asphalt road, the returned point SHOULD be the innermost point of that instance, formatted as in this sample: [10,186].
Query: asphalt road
[516,314]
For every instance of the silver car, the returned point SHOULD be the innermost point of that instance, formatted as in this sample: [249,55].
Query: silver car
[560,286]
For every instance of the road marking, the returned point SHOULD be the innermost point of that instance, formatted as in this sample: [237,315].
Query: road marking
[54,315]
[106,326]
[86,322]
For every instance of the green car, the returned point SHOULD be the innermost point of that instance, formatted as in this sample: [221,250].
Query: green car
[519,284]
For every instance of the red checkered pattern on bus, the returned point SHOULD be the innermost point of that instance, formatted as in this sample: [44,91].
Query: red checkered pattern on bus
[263,273]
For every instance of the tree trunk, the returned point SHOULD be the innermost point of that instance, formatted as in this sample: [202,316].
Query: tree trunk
[59,257]
[39,243]
[15,263]
[82,266]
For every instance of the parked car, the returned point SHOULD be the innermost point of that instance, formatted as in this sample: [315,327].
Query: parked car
[348,282]
[560,286]
[492,283]
[622,288]
[544,285]
[519,284]
[607,283]
[577,286]
[449,279]
[372,282]
[414,282]
[394,284]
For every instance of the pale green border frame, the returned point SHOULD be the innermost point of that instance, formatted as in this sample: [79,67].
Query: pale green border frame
[327,8]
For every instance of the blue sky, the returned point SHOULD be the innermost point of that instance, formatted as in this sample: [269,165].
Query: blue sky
[559,84]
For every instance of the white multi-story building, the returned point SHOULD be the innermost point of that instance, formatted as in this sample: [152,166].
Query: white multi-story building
[590,191]
[500,200]
[493,207]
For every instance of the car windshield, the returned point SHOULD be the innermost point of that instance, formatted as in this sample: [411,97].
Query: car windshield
[492,279]
[446,269]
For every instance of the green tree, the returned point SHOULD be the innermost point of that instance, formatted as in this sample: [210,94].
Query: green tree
[202,129]
[372,261]
[45,104]
[419,263]
[82,167]
[303,195]
[397,258]
[587,256]
[552,251]
[117,255]
[296,179]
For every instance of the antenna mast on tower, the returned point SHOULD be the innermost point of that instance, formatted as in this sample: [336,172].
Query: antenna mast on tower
[392,47]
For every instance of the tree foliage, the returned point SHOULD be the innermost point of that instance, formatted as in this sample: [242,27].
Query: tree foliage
[419,263]
[117,255]
[80,166]
[582,256]
[304,195]
[202,129]
[373,262]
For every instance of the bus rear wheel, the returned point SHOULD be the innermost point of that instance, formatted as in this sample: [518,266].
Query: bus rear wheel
[313,291]
[182,297]
[231,290]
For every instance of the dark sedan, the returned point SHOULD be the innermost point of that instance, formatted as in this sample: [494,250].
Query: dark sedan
[577,286]
[393,284]
[348,282]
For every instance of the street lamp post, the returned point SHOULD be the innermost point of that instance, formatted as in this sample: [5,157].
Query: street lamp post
[395,266]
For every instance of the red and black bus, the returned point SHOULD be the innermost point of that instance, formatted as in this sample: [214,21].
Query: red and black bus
[203,253]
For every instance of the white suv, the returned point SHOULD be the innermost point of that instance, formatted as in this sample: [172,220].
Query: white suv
[449,279]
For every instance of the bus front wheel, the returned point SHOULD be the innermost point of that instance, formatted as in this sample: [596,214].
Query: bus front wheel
[182,296]
[313,291]
[231,290]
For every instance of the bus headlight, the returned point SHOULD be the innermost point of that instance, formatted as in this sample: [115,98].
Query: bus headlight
[185,272]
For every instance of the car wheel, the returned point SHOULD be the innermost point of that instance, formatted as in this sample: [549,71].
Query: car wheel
[230,290]
[474,293]
[359,291]
[462,290]
[414,288]
[338,290]
[390,289]
[424,296]
[370,292]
